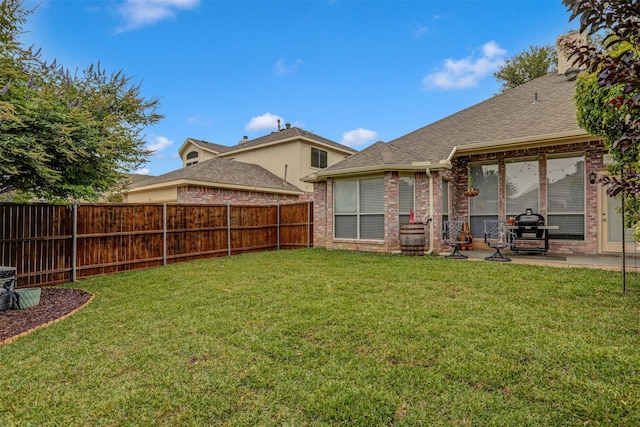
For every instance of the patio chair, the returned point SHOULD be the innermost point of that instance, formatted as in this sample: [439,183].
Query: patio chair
[497,236]
[455,235]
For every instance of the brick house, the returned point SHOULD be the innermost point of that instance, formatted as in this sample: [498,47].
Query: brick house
[523,149]
[264,170]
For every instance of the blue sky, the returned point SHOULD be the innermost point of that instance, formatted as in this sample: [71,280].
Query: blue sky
[353,71]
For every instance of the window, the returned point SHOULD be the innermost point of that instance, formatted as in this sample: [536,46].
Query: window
[318,158]
[522,186]
[484,205]
[191,155]
[406,197]
[359,209]
[565,197]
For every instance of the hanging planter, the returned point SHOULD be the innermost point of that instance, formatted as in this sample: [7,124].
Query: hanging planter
[471,191]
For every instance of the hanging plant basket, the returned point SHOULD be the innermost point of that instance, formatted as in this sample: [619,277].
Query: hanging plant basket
[471,191]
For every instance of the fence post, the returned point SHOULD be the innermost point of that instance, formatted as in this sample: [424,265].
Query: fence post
[164,234]
[74,241]
[278,224]
[308,224]
[228,229]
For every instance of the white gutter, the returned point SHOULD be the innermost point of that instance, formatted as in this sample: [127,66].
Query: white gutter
[430,177]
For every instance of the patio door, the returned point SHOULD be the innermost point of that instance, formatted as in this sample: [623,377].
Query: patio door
[610,225]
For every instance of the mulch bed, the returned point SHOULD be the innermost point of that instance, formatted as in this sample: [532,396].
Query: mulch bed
[55,303]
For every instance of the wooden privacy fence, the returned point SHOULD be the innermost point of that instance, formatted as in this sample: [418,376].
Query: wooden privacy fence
[52,244]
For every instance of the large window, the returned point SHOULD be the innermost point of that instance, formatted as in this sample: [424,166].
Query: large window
[522,187]
[484,205]
[566,197]
[359,209]
[318,158]
[406,197]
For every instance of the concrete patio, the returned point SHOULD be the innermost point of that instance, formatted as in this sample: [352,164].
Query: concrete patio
[604,262]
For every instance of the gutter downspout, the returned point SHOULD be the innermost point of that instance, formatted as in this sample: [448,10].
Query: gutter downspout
[429,221]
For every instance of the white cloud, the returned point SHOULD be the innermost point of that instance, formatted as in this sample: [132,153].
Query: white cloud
[358,137]
[265,121]
[420,32]
[143,171]
[281,68]
[159,143]
[138,13]
[198,120]
[466,72]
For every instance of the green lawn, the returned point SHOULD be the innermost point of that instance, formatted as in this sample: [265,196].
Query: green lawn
[315,337]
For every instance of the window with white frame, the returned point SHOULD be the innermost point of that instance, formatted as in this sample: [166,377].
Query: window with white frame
[485,205]
[566,197]
[407,197]
[522,181]
[359,209]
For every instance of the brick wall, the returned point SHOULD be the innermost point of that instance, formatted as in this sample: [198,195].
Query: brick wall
[195,194]
[457,176]
[593,152]
[320,214]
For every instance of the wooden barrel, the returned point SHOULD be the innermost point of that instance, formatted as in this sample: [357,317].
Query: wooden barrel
[412,238]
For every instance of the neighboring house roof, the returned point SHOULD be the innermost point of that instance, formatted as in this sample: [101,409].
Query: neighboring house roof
[538,112]
[210,146]
[222,173]
[207,146]
[284,135]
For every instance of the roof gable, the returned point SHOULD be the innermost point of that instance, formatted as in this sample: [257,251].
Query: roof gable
[286,135]
[207,146]
[221,172]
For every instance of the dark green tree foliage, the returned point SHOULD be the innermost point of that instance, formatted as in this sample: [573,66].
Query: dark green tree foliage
[526,66]
[64,136]
[608,99]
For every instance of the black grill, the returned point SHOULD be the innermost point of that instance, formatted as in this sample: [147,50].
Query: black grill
[528,224]
[7,285]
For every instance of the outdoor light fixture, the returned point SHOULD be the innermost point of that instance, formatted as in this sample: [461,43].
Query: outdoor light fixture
[592,177]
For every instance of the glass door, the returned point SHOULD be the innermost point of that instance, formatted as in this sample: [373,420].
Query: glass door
[610,224]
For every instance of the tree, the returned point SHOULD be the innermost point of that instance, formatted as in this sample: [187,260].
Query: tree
[527,65]
[608,98]
[64,136]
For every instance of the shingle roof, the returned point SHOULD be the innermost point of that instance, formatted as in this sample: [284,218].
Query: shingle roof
[210,145]
[288,133]
[507,116]
[543,106]
[375,155]
[219,171]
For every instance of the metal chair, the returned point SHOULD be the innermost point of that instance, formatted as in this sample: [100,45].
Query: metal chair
[497,236]
[455,235]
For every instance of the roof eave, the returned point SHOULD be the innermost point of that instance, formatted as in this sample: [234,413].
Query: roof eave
[413,167]
[183,182]
[531,141]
